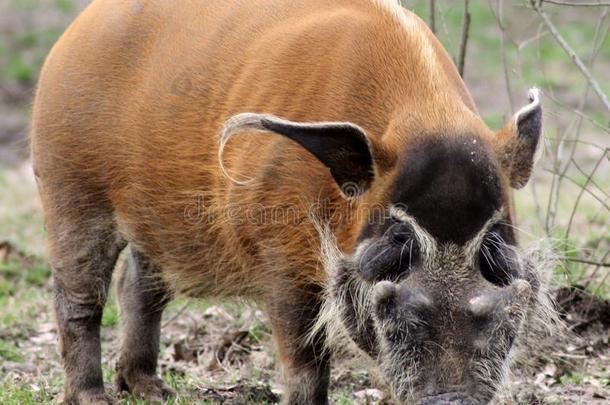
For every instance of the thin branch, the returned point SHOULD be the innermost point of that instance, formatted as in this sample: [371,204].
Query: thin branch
[593,274]
[591,193]
[465,33]
[592,181]
[593,145]
[432,12]
[582,191]
[577,112]
[585,261]
[537,206]
[536,38]
[567,3]
[177,314]
[498,14]
[597,41]
[568,50]
[445,27]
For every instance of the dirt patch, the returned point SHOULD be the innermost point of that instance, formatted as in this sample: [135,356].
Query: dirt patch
[571,369]
[583,310]
[243,392]
[223,354]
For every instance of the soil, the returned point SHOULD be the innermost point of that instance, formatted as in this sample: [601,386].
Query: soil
[223,354]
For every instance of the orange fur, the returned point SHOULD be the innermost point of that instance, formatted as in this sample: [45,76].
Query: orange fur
[143,99]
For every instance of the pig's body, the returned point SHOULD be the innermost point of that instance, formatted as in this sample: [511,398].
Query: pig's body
[135,95]
[127,120]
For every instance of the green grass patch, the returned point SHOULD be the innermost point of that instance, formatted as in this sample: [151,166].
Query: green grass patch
[494,121]
[10,352]
[343,397]
[65,6]
[572,378]
[257,333]
[110,317]
[25,395]
[21,273]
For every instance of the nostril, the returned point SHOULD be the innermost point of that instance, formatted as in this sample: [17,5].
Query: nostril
[384,290]
[483,305]
[415,298]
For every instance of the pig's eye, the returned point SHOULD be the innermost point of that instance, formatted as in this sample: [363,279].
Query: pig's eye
[497,262]
[401,233]
[391,255]
[405,243]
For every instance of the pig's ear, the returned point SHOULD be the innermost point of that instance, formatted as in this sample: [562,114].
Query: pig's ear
[342,147]
[517,142]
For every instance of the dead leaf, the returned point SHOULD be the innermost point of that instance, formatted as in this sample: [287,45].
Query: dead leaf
[181,353]
[370,395]
[228,340]
[6,248]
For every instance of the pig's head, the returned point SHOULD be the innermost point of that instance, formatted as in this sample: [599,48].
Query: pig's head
[440,319]
[435,289]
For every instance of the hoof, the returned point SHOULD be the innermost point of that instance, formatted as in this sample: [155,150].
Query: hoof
[88,398]
[149,387]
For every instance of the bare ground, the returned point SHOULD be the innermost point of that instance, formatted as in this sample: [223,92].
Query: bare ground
[222,353]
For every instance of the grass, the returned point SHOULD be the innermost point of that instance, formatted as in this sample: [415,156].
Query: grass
[10,352]
[23,52]
[110,317]
[572,379]
[343,397]
[26,395]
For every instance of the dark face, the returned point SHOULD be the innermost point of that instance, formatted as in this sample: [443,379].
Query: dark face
[436,290]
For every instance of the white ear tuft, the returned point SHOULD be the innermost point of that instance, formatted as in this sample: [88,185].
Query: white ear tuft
[234,125]
[534,95]
[534,98]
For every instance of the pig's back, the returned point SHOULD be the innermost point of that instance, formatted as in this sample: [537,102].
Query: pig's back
[132,99]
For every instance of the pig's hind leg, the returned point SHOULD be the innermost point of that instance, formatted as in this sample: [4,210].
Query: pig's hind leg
[142,298]
[83,249]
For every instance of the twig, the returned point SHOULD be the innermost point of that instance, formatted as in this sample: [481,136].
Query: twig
[597,41]
[465,33]
[536,38]
[592,181]
[176,315]
[445,27]
[500,19]
[593,145]
[568,50]
[593,274]
[537,206]
[577,112]
[550,211]
[592,194]
[567,3]
[433,16]
[585,261]
[580,194]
